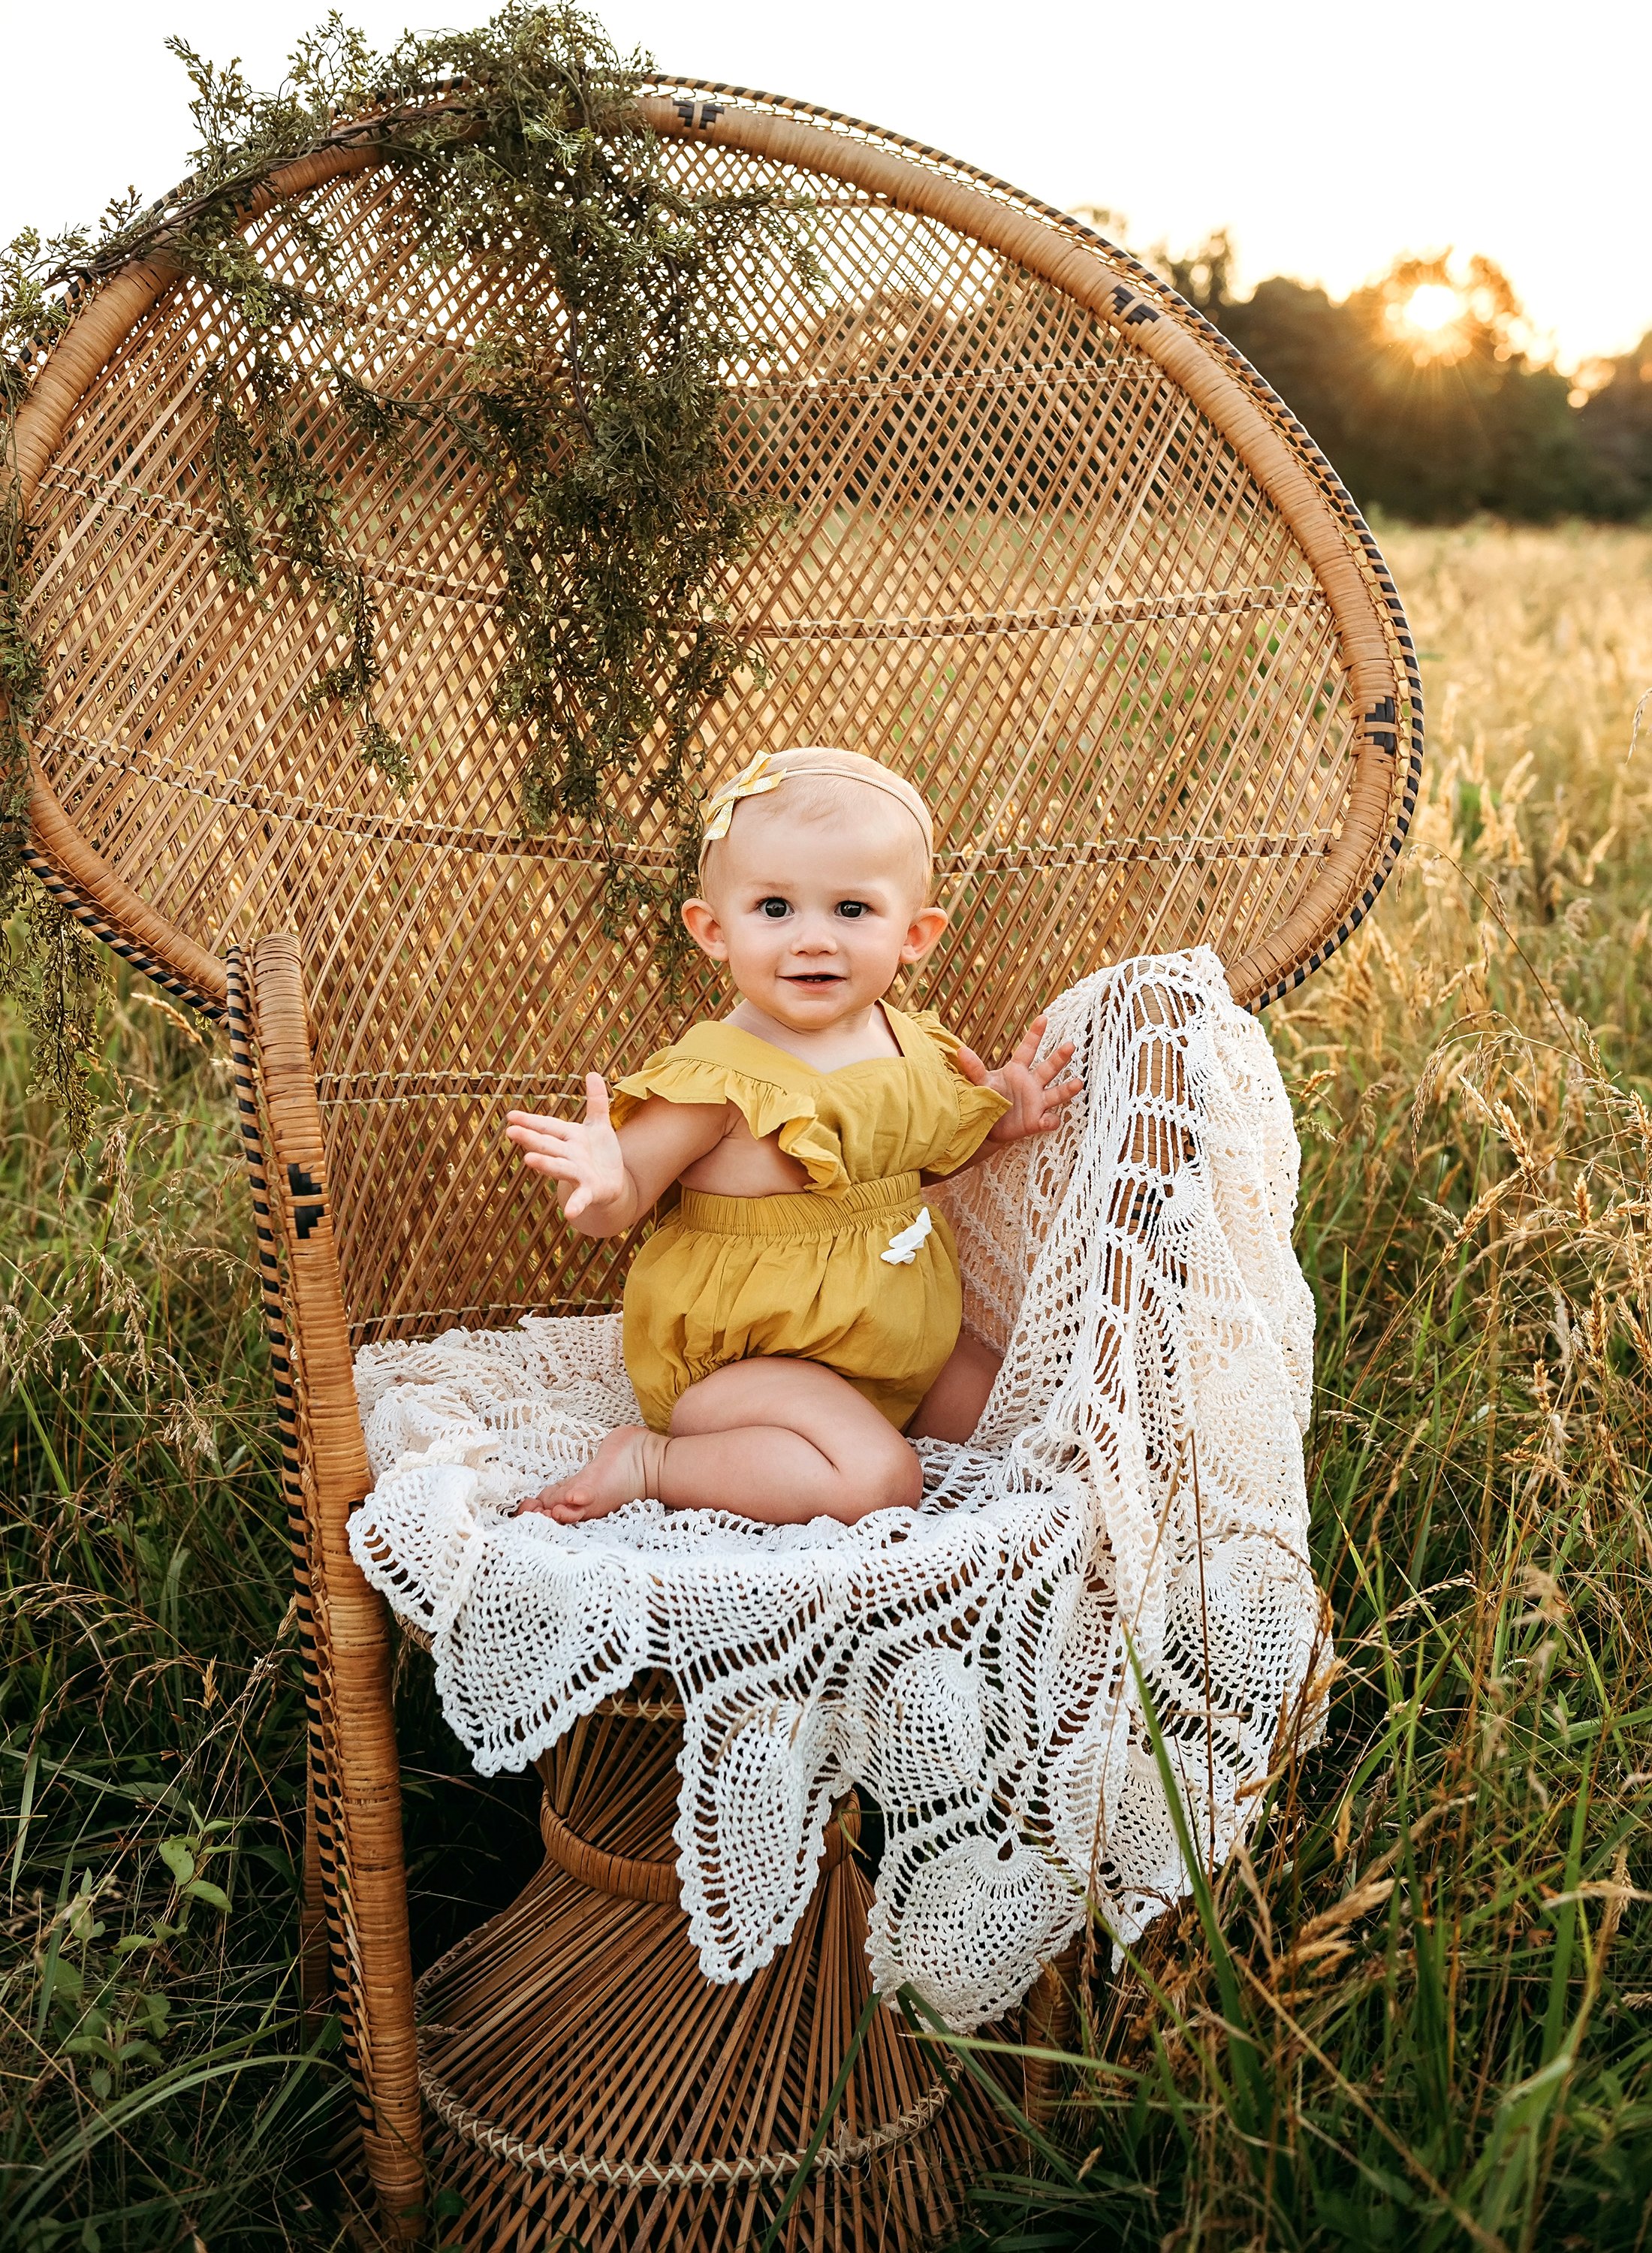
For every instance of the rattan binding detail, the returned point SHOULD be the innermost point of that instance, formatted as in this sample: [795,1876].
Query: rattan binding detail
[100,926]
[627,1705]
[675,2174]
[627,1877]
[641,1878]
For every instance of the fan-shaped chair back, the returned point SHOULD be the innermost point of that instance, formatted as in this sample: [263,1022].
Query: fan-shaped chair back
[1043,540]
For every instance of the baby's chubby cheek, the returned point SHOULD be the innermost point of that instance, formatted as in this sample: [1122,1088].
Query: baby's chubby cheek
[759,959]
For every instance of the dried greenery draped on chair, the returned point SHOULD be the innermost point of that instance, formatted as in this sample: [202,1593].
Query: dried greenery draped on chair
[1028,527]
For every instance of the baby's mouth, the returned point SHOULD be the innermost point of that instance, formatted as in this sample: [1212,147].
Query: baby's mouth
[814,978]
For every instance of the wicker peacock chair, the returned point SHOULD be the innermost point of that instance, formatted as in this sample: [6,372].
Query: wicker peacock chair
[1047,542]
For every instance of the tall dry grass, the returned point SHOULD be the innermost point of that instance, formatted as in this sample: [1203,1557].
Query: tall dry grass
[157,2086]
[1415,2014]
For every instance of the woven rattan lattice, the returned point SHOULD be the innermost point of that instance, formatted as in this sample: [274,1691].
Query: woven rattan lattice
[1044,540]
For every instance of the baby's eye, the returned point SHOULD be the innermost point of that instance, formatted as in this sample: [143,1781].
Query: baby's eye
[774,906]
[853,907]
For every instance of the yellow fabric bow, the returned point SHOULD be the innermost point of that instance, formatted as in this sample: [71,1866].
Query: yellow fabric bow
[751,782]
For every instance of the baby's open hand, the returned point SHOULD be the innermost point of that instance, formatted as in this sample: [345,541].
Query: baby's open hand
[585,1159]
[1038,1089]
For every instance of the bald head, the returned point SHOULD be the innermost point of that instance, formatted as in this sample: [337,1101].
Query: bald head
[839,794]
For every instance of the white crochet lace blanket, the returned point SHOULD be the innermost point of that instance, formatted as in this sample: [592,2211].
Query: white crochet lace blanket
[1131,1509]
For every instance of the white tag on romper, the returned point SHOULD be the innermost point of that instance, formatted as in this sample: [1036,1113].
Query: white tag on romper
[903,1248]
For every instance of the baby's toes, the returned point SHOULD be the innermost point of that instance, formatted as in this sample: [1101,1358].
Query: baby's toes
[577,1509]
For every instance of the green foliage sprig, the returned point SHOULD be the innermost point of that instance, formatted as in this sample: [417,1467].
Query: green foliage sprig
[594,412]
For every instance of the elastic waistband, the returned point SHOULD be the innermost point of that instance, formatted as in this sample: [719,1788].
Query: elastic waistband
[863,1206]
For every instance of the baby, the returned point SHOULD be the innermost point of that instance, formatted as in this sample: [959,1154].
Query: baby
[798,1311]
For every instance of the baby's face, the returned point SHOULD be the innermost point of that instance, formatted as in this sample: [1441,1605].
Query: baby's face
[814,918]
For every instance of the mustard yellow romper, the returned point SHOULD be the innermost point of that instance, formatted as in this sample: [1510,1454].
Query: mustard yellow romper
[804,1273]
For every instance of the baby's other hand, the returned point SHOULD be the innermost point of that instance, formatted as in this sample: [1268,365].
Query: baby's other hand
[585,1158]
[1036,1087]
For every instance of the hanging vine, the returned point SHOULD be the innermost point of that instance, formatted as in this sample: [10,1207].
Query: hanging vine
[594,412]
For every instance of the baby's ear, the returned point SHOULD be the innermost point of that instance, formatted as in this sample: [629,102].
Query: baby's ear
[704,929]
[924,929]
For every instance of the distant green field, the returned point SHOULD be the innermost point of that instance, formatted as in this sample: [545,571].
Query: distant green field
[1419,2013]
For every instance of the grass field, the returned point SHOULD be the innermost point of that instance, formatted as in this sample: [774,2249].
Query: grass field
[1417,2013]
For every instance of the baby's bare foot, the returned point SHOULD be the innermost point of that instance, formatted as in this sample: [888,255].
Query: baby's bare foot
[617,1474]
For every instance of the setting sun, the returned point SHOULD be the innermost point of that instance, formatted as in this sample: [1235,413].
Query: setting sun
[1432,307]
[1430,317]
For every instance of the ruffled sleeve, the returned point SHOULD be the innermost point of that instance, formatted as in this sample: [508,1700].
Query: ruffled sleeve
[980,1109]
[693,1071]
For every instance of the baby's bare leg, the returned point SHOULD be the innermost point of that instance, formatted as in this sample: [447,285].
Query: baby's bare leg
[785,1442]
[951,1408]
[777,1439]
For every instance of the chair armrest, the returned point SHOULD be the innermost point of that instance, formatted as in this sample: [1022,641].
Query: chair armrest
[355,1768]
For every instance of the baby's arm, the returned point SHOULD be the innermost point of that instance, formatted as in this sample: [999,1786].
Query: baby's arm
[608,1178]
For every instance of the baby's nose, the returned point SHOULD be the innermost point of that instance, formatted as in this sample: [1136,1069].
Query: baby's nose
[815,938]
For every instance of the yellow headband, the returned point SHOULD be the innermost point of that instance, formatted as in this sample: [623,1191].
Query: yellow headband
[766,773]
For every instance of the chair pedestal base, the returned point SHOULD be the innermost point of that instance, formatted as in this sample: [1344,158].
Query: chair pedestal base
[589,2087]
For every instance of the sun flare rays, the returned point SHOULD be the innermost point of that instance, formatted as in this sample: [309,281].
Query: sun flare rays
[1433,318]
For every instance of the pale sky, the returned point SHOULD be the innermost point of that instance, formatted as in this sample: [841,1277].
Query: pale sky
[1326,137]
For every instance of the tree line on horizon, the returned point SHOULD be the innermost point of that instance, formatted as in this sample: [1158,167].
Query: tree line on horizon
[1437,428]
